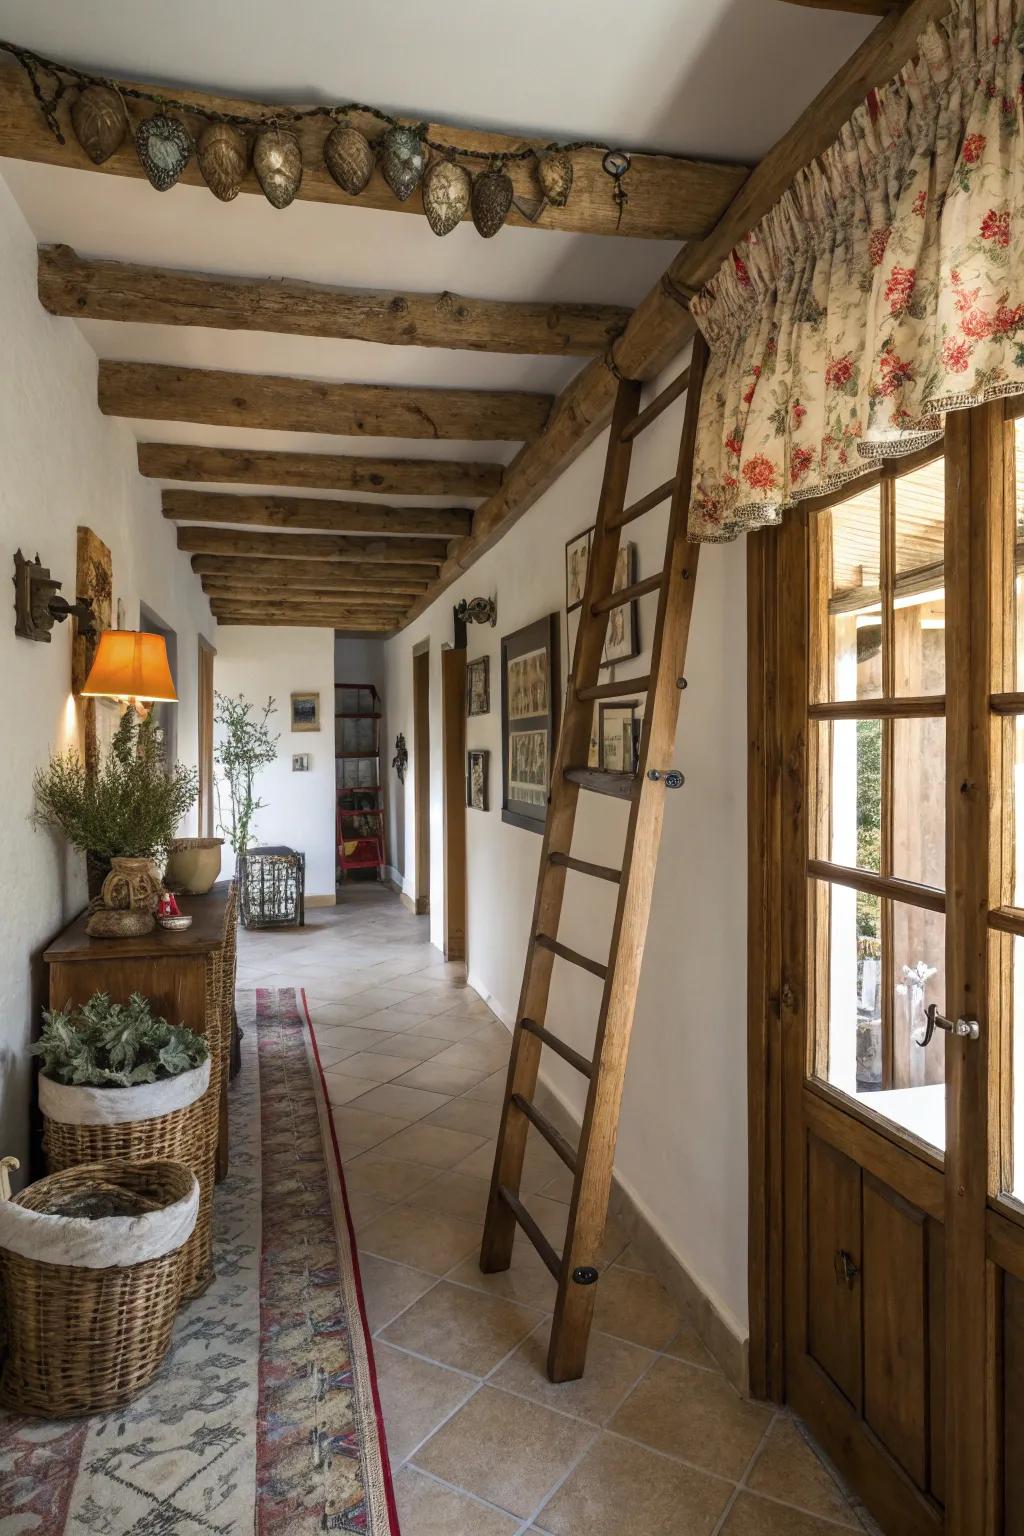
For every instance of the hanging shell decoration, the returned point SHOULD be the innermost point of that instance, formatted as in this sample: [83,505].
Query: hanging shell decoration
[447,192]
[100,121]
[492,199]
[403,158]
[277,161]
[223,157]
[349,158]
[554,172]
[165,147]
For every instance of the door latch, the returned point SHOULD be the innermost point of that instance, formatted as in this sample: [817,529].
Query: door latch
[963,1029]
[846,1270]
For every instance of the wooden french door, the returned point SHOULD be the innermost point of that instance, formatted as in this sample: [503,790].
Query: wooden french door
[890,752]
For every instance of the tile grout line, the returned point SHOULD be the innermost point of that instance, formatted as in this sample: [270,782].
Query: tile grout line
[741,1482]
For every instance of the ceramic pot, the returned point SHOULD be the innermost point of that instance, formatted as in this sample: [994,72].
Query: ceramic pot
[193,864]
[133,885]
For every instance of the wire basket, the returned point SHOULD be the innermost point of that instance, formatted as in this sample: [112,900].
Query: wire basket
[83,1335]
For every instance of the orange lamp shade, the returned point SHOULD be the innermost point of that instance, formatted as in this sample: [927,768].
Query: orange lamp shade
[130,665]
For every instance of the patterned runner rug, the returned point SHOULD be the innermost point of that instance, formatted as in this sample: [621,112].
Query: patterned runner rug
[265,1414]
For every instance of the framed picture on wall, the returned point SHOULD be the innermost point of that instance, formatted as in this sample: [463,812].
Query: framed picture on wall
[305,711]
[478,686]
[623,636]
[529,695]
[477,765]
[577,558]
[619,737]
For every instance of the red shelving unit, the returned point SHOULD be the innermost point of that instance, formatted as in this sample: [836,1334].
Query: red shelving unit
[359,821]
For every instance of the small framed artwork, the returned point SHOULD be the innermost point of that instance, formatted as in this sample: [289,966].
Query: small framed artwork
[305,711]
[577,558]
[300,762]
[622,639]
[477,766]
[619,737]
[529,703]
[478,686]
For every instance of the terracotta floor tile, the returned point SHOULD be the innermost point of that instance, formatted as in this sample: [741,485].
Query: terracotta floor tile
[457,1195]
[751,1516]
[527,1279]
[619,1488]
[433,1145]
[376,1068]
[461,1328]
[558,1188]
[694,1414]
[427,1239]
[491,1090]
[386,1177]
[551,1216]
[635,1307]
[389,1288]
[426,1004]
[341,1088]
[439,1078]
[613,1367]
[789,1469]
[408,1104]
[346,1038]
[630,1257]
[451,1026]
[471,1115]
[478,1055]
[507,1451]
[688,1346]
[362,1129]
[427,1508]
[409,1044]
[364,1208]
[416,1397]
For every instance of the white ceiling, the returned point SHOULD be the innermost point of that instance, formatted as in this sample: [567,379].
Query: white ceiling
[721,79]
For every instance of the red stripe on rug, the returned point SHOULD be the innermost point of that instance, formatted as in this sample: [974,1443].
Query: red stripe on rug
[389,1487]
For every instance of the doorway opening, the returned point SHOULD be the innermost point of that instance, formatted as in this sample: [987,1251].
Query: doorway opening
[421,774]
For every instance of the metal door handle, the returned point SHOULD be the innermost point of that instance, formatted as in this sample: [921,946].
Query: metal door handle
[964,1029]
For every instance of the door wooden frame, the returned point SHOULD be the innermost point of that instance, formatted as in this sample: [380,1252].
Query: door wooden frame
[421,773]
[204,753]
[453,778]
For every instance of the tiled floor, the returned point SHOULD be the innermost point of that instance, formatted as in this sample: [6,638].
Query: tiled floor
[653,1438]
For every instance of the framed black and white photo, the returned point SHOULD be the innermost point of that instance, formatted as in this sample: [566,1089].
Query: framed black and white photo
[477,773]
[619,737]
[478,686]
[623,636]
[577,558]
[305,711]
[529,695]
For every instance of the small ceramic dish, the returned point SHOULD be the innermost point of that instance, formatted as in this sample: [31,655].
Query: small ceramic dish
[176,924]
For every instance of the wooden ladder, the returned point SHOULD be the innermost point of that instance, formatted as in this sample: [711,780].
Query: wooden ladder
[576,1270]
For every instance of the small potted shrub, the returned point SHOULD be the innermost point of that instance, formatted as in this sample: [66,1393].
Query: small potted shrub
[118,1081]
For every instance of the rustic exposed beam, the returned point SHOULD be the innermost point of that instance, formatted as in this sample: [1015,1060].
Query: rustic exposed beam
[349,597]
[392,577]
[318,471]
[70,284]
[308,512]
[857,7]
[341,626]
[337,613]
[278,403]
[670,198]
[310,546]
[661,325]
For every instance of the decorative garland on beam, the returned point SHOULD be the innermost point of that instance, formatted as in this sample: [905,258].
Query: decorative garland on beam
[224,147]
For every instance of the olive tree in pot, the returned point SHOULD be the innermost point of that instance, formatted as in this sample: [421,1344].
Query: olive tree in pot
[244,747]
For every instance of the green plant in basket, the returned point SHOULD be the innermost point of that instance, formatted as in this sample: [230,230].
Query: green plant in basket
[115,1045]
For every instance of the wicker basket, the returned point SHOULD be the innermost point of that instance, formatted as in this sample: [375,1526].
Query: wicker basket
[82,1338]
[187,1134]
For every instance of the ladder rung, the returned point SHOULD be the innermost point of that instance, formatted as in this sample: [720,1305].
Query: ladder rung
[628,594]
[573,956]
[658,404]
[553,1137]
[532,1230]
[616,690]
[599,871]
[559,1047]
[602,781]
[652,499]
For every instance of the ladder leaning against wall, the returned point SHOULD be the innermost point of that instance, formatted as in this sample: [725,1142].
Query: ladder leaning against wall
[591,1162]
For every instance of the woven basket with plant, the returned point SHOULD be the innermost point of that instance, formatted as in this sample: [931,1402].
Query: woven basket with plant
[118,1081]
[90,1281]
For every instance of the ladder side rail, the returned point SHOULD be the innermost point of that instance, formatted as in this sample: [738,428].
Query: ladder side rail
[573,743]
[596,1152]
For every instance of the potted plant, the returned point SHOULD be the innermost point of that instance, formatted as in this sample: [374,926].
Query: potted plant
[129,807]
[118,1081]
[245,746]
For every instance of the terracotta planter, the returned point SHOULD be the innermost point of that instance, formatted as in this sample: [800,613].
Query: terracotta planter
[193,864]
[133,885]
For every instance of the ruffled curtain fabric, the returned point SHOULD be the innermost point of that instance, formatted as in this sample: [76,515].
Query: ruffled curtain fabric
[884,289]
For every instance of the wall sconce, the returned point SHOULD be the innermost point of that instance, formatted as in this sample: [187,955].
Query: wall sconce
[132,666]
[476,610]
[37,606]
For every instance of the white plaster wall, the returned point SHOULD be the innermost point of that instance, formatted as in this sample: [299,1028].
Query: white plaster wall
[61,464]
[682,1143]
[277,662]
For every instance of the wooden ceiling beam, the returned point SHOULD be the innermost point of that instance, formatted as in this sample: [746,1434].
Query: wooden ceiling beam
[349,597]
[86,289]
[311,546]
[670,198]
[661,324]
[318,471]
[320,574]
[310,512]
[856,7]
[341,626]
[321,612]
[163,392]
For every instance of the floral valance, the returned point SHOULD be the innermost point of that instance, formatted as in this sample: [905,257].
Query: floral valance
[885,288]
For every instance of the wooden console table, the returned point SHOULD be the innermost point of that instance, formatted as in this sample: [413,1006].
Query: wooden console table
[188,977]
